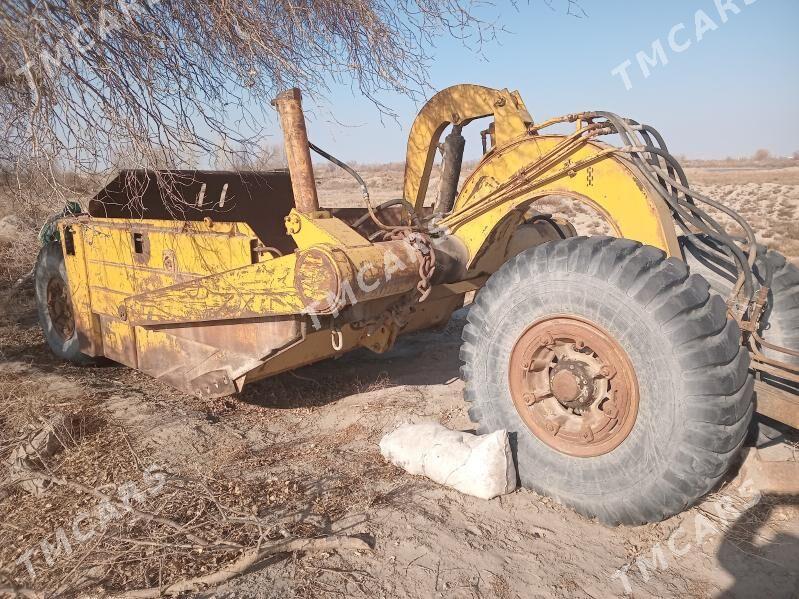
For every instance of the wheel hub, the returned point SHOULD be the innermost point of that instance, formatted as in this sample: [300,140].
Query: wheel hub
[573,385]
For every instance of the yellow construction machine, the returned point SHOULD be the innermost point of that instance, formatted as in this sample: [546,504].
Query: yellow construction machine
[623,367]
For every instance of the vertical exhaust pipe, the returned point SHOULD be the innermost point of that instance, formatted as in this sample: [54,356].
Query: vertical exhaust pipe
[298,154]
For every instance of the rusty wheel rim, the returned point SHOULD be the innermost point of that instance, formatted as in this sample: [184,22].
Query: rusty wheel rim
[60,309]
[574,386]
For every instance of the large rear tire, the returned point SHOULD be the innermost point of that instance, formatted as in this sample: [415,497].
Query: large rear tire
[618,376]
[56,315]
[780,321]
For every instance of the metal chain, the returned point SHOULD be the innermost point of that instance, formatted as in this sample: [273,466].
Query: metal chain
[427,257]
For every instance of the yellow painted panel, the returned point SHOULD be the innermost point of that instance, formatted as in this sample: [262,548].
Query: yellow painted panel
[308,231]
[89,337]
[458,104]
[107,301]
[173,253]
[133,280]
[196,248]
[610,186]
[119,342]
[261,289]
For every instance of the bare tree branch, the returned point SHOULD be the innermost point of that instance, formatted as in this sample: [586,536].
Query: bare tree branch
[93,86]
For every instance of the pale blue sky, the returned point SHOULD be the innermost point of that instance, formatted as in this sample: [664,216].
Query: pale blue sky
[731,93]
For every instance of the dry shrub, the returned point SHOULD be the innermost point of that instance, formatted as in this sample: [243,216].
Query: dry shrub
[27,202]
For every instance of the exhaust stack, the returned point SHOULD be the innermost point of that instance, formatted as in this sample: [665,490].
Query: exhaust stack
[298,154]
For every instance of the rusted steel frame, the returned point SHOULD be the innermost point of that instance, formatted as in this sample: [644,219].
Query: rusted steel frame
[775,370]
[758,304]
[779,348]
[759,364]
[770,365]
[775,403]
[298,152]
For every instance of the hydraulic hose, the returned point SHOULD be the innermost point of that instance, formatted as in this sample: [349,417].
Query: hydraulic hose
[654,174]
[365,191]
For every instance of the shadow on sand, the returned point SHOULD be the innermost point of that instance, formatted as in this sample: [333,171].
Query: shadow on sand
[762,566]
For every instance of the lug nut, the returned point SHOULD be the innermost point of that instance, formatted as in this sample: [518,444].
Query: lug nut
[607,372]
[610,409]
[553,428]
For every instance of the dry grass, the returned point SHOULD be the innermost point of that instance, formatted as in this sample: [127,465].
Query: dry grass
[210,508]
[199,520]
[771,208]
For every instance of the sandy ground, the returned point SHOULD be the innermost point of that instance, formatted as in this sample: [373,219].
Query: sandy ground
[298,455]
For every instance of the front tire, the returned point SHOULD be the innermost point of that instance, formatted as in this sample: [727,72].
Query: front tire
[622,384]
[56,315]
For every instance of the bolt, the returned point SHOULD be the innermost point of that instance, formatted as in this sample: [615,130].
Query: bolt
[578,345]
[293,224]
[588,435]
[607,372]
[553,428]
[526,365]
[610,409]
[529,398]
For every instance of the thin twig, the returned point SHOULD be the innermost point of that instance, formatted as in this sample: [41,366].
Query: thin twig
[249,559]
